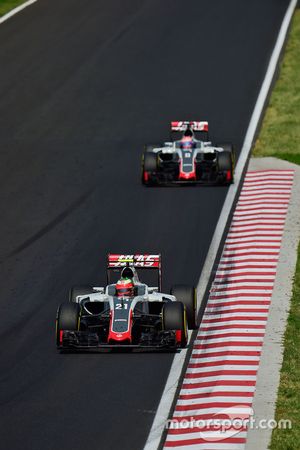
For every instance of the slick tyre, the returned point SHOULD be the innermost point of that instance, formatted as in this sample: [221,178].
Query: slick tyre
[80,290]
[226,162]
[149,166]
[187,295]
[68,318]
[174,318]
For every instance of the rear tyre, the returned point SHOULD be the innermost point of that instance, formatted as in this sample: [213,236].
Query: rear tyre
[226,162]
[80,290]
[149,166]
[174,318]
[68,318]
[187,295]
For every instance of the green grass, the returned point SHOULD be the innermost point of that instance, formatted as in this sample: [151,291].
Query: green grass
[292,157]
[7,5]
[280,133]
[280,137]
[288,401]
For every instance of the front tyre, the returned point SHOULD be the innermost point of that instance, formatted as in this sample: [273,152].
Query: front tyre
[188,296]
[149,167]
[67,318]
[225,165]
[174,318]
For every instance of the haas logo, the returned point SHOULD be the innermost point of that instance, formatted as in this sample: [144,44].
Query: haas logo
[146,260]
[139,260]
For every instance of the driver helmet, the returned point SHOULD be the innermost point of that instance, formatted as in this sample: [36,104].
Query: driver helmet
[187,143]
[125,288]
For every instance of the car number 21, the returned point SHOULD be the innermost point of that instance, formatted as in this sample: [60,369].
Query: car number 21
[121,305]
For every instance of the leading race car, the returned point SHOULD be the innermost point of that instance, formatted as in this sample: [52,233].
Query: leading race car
[127,313]
[189,160]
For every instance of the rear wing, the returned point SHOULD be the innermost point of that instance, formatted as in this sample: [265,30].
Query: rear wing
[193,125]
[116,262]
[139,261]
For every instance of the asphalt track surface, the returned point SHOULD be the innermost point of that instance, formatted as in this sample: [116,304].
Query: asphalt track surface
[82,87]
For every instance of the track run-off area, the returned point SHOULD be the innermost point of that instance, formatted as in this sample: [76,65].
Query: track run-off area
[82,90]
[221,374]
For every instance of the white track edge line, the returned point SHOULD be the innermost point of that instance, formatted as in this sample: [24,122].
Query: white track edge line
[170,389]
[16,10]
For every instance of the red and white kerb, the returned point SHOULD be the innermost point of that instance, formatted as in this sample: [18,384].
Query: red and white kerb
[221,374]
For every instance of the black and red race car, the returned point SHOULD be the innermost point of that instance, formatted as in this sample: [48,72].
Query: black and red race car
[189,160]
[127,313]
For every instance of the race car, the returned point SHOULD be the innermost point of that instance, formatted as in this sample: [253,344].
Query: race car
[189,160]
[127,313]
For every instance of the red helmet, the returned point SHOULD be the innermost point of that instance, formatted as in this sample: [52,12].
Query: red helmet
[124,288]
[187,143]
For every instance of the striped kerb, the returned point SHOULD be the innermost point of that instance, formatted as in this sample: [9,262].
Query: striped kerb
[221,374]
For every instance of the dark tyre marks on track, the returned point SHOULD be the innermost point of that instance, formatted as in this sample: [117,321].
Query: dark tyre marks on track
[82,88]
[41,233]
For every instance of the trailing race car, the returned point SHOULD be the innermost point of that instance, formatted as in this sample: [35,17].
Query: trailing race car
[188,160]
[127,313]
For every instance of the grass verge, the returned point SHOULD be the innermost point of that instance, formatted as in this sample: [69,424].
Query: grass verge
[280,133]
[280,137]
[288,400]
[8,5]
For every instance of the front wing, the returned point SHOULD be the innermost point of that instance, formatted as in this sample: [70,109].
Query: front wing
[209,178]
[89,341]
